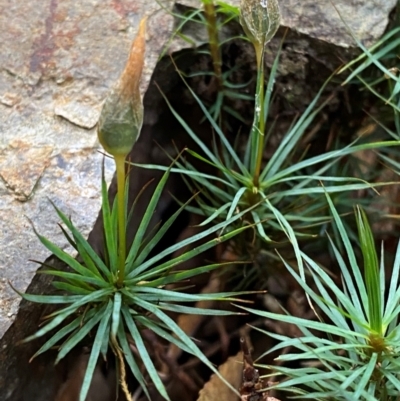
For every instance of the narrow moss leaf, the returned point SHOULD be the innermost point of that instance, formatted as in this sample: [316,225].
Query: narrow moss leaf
[371,271]
[121,118]
[94,354]
[260,20]
[123,341]
[143,353]
[116,313]
[58,336]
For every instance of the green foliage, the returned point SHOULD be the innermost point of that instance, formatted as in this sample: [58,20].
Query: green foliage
[289,184]
[357,357]
[376,66]
[288,192]
[98,303]
[212,18]
[376,72]
[228,9]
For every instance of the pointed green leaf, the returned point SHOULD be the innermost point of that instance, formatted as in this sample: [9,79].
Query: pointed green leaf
[73,289]
[95,352]
[98,314]
[116,313]
[371,271]
[79,238]
[183,336]
[146,220]
[137,338]
[60,334]
[123,342]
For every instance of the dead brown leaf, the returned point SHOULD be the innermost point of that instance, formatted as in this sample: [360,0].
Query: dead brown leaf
[215,389]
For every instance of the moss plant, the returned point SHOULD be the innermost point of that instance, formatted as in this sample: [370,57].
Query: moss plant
[289,195]
[212,29]
[111,300]
[260,21]
[215,16]
[119,127]
[357,357]
[98,304]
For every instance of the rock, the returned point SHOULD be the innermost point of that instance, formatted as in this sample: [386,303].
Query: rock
[22,166]
[316,44]
[57,63]
[326,19]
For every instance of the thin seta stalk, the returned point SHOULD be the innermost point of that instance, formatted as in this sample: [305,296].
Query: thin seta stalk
[210,14]
[259,114]
[121,180]
[212,29]
[260,20]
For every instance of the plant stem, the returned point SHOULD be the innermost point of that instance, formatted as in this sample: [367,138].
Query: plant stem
[259,111]
[120,166]
[212,29]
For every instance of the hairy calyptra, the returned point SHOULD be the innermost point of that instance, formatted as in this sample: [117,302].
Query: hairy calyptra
[121,118]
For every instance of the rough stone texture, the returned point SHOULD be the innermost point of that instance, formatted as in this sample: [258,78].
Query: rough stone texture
[323,19]
[57,62]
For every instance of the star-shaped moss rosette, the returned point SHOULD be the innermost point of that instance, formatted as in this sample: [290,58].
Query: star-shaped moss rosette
[98,303]
[351,350]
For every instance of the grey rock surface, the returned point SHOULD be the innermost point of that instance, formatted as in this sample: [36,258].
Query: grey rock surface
[57,62]
[327,19]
